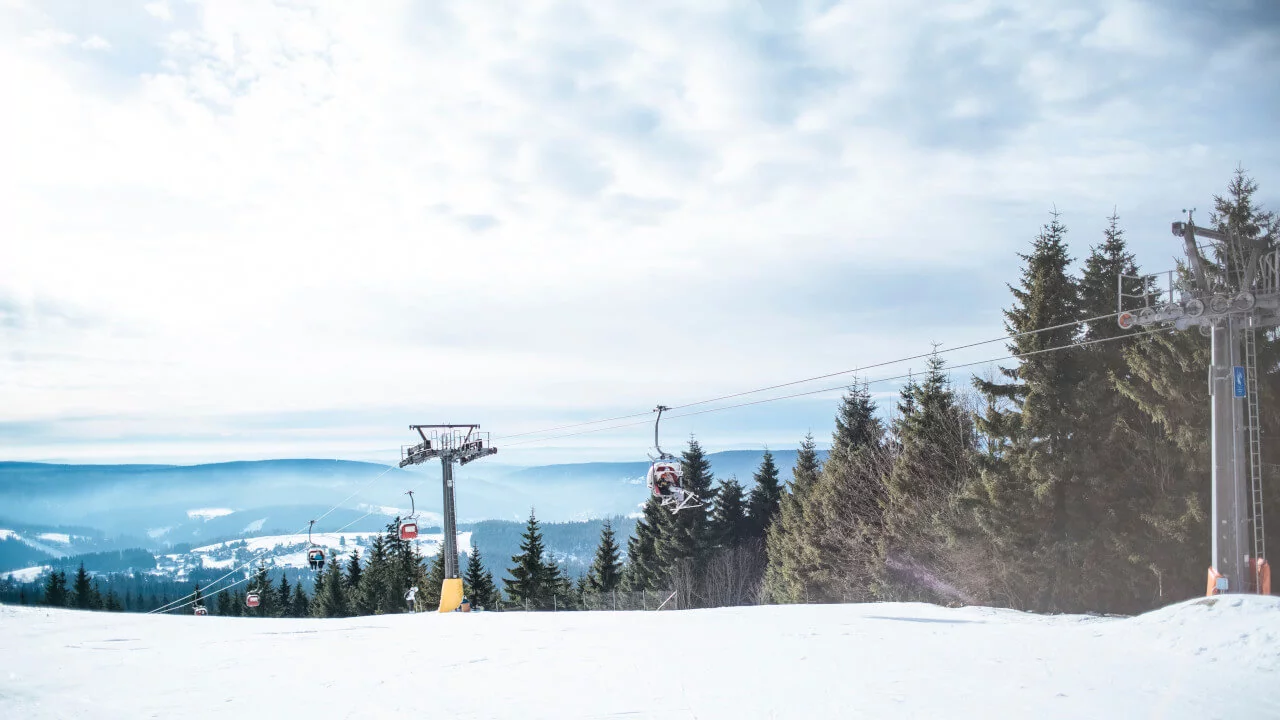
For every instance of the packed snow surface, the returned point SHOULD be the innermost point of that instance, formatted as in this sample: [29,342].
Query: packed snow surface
[63,538]
[1206,658]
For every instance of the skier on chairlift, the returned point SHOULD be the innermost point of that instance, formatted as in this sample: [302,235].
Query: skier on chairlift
[666,477]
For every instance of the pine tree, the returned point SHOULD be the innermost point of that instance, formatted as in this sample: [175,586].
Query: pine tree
[96,601]
[766,495]
[807,469]
[405,569]
[261,584]
[331,595]
[821,548]
[55,589]
[479,582]
[359,600]
[643,570]
[284,597]
[784,547]
[685,540]
[433,586]
[730,515]
[1028,502]
[112,602]
[935,458]
[299,604]
[224,604]
[531,579]
[128,601]
[606,570]
[82,591]
[373,595]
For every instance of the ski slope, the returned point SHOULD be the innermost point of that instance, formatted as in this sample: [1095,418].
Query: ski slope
[1205,658]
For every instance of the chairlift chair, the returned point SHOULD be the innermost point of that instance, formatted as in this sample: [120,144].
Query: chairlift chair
[315,553]
[252,600]
[409,525]
[666,476]
[201,610]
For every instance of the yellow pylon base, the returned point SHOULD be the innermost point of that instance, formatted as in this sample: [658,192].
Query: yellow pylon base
[450,594]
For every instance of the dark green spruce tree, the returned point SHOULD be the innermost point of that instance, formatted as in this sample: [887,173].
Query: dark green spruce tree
[1027,503]
[605,573]
[82,590]
[643,570]
[55,589]
[686,540]
[373,595]
[331,594]
[429,592]
[356,597]
[284,596]
[224,603]
[729,520]
[480,587]
[532,580]
[299,604]
[765,497]
[822,552]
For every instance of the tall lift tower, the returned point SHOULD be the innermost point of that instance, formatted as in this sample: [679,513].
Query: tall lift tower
[1229,290]
[451,443]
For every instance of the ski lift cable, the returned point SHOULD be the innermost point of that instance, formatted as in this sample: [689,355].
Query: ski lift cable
[261,555]
[921,356]
[851,371]
[840,387]
[207,593]
[909,375]
[210,591]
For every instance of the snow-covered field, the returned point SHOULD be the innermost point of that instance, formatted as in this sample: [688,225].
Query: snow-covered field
[1205,658]
[291,550]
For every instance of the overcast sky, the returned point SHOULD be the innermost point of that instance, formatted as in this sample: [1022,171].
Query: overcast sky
[236,230]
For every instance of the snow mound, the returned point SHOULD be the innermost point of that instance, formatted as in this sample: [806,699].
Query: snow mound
[881,660]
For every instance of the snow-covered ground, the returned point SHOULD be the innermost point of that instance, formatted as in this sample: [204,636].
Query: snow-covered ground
[26,574]
[208,514]
[1205,658]
[291,550]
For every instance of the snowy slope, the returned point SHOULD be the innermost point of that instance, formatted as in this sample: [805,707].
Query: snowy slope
[1207,658]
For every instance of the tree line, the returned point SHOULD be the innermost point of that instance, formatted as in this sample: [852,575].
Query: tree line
[1069,480]
[1074,479]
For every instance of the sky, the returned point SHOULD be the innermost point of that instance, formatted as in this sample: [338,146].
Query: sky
[239,230]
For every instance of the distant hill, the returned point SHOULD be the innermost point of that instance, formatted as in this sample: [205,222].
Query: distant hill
[155,504]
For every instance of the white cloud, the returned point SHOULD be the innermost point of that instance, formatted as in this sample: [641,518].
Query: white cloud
[95,42]
[298,207]
[159,9]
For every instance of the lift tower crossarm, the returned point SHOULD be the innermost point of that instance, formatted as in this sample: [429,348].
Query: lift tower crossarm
[1187,231]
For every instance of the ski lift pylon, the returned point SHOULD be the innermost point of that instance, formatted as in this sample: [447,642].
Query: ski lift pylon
[315,553]
[666,476]
[409,525]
